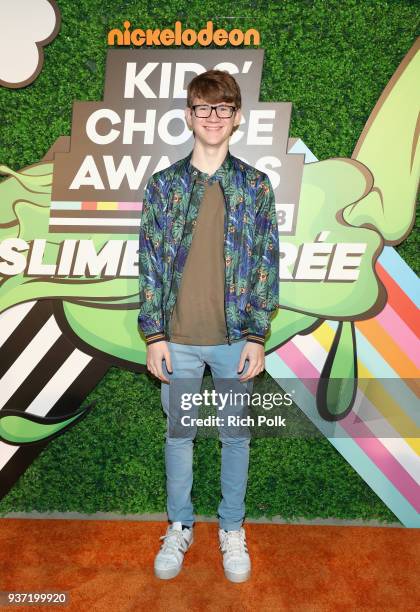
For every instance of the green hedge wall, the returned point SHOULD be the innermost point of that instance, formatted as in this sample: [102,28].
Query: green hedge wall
[332,59]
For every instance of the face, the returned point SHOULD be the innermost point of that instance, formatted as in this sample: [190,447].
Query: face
[211,130]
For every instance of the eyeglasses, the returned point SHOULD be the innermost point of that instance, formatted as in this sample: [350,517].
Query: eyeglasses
[223,111]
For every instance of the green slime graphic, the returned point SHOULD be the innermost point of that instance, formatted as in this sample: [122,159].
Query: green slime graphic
[27,429]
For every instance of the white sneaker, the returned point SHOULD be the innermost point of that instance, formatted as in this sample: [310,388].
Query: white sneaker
[236,561]
[176,542]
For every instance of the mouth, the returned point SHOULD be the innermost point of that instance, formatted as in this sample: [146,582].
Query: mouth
[212,128]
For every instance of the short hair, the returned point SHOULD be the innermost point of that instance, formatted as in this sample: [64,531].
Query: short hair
[214,86]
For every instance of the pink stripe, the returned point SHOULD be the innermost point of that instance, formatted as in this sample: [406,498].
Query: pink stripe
[129,206]
[400,332]
[373,448]
[383,459]
[297,362]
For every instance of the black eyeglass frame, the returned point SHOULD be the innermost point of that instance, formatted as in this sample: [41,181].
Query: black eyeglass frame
[233,108]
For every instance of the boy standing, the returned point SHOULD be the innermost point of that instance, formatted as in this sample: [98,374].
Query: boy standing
[209,220]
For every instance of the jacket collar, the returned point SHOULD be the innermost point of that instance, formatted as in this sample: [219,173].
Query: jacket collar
[221,174]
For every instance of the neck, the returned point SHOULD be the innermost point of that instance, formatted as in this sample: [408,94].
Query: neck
[208,159]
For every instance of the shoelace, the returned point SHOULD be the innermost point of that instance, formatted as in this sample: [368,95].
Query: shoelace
[234,543]
[173,541]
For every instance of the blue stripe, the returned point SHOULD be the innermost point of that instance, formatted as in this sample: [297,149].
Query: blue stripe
[401,272]
[347,447]
[380,369]
[66,205]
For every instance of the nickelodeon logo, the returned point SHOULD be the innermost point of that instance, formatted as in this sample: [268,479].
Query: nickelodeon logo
[178,36]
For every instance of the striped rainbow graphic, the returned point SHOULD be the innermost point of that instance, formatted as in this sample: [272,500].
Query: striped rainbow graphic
[97,217]
[388,347]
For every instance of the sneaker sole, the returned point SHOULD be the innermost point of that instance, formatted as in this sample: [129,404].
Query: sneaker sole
[237,577]
[167,574]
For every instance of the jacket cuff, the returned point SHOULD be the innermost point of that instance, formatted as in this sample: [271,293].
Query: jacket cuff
[155,337]
[258,338]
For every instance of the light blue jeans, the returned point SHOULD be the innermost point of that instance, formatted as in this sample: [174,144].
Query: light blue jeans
[188,362]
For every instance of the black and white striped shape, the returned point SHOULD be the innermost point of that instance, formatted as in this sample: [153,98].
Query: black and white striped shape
[41,372]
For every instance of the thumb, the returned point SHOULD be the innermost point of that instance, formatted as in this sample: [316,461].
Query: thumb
[168,362]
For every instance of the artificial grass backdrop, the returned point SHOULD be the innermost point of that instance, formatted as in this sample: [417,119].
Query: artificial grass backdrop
[332,59]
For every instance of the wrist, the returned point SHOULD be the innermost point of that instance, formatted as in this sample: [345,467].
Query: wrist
[256,337]
[155,337]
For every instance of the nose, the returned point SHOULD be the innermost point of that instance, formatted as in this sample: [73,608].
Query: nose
[213,117]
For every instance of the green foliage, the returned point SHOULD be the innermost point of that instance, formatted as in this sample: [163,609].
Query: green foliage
[113,461]
[332,59]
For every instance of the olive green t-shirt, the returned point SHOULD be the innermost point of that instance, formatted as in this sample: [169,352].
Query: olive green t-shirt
[199,314]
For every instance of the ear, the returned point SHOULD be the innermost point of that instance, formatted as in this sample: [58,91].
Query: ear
[238,117]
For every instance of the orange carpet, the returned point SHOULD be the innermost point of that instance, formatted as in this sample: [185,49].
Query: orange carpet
[108,566]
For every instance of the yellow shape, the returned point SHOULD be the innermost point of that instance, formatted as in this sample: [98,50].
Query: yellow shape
[107,206]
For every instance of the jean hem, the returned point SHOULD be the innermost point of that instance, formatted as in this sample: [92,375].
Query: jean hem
[230,526]
[189,523]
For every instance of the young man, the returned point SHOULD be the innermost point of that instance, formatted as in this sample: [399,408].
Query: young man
[208,220]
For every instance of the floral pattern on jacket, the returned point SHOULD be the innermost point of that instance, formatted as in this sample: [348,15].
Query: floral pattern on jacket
[251,246]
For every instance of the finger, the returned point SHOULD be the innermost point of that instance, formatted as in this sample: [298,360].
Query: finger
[259,367]
[251,371]
[256,368]
[154,369]
[160,373]
[246,377]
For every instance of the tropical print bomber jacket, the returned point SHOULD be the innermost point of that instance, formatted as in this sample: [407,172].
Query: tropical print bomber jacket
[251,246]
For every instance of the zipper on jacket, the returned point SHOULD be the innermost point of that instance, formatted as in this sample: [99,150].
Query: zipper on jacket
[169,319]
[224,264]
[224,308]
[167,322]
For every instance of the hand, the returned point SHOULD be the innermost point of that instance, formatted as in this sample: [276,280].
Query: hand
[255,353]
[156,352]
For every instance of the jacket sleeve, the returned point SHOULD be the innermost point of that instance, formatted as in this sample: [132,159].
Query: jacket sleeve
[264,294]
[150,317]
